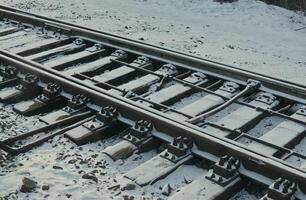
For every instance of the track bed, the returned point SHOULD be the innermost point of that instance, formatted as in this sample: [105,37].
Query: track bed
[155,123]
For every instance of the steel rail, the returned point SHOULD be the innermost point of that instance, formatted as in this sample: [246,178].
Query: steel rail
[203,116]
[229,101]
[205,142]
[270,166]
[160,53]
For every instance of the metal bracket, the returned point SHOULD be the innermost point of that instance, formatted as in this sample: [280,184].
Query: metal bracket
[196,78]
[9,72]
[266,98]
[20,25]
[28,82]
[96,47]
[52,91]
[302,111]
[93,124]
[78,41]
[254,84]
[224,171]
[119,54]
[75,103]
[281,189]
[42,30]
[178,149]
[167,70]
[142,60]
[230,87]
[6,20]
[139,132]
[105,116]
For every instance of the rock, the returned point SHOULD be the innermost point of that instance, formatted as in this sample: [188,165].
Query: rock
[94,155]
[128,197]
[225,1]
[57,167]
[187,180]
[167,189]
[28,185]
[94,171]
[114,187]
[45,187]
[72,161]
[231,46]
[90,176]
[3,159]
[117,193]
[129,186]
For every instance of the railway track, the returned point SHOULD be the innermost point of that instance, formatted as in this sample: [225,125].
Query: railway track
[240,128]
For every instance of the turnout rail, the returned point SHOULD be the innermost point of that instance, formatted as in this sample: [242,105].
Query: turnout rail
[90,85]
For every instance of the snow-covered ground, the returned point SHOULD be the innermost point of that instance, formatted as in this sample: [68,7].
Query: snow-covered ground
[248,34]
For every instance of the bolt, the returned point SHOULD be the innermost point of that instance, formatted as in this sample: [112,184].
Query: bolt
[136,126]
[102,111]
[279,180]
[232,160]
[277,183]
[174,142]
[285,189]
[222,160]
[228,166]
[237,164]
[98,46]
[107,114]
[181,145]
[286,183]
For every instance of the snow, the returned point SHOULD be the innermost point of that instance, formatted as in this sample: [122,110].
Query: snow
[247,34]
[60,164]
[265,125]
